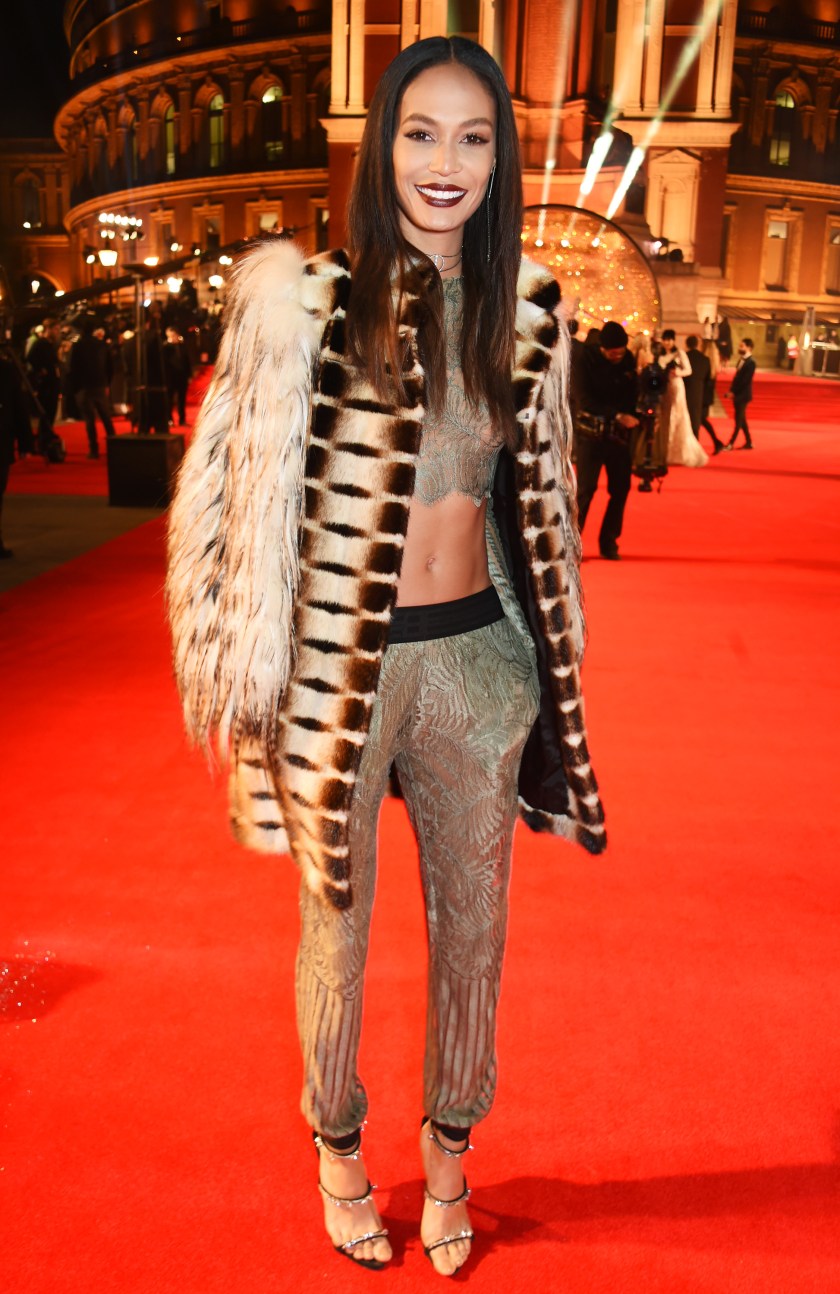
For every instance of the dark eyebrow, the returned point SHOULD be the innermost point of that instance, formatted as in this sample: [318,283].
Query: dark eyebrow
[430,121]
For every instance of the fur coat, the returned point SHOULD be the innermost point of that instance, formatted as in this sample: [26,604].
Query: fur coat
[285,544]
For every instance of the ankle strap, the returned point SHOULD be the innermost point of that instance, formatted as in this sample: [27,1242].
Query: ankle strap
[346,1147]
[460,1135]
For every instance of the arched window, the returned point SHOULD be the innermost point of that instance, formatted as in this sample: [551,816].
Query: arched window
[272,123]
[216,124]
[169,139]
[130,151]
[30,204]
[783,119]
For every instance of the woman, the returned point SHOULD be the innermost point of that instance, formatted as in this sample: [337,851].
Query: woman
[343,597]
[683,448]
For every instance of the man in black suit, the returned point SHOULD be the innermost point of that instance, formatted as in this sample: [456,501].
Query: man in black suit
[604,390]
[697,388]
[90,379]
[741,392]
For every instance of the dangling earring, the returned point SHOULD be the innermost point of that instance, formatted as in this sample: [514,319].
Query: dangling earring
[489,191]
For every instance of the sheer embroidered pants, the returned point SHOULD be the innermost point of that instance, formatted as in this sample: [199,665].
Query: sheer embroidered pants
[453,714]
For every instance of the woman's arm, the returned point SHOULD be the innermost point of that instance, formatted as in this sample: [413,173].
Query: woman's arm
[682,367]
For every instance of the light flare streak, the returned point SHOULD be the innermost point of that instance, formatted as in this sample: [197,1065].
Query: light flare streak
[688,57]
[597,158]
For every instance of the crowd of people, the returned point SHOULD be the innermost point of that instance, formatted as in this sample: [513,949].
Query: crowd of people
[84,368]
[639,407]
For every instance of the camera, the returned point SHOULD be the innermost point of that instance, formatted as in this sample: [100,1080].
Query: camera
[653,382]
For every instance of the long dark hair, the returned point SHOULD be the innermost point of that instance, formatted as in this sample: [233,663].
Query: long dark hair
[379,252]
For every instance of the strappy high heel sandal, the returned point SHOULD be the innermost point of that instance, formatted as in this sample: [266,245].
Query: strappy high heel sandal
[351,1151]
[466,1233]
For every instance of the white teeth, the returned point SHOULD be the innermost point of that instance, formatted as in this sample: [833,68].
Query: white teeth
[441,193]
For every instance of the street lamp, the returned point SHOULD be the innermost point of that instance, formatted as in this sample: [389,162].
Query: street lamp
[108,257]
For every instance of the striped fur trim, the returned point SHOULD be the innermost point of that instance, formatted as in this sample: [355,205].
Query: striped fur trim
[548,524]
[359,480]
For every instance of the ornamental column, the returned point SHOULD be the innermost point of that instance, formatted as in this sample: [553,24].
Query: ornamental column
[630,40]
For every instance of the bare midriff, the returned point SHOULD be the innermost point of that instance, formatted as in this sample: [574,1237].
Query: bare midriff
[445,552]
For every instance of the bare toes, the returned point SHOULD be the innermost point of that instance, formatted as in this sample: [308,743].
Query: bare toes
[446,1259]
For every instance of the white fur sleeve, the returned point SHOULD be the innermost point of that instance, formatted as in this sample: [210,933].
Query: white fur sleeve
[234,523]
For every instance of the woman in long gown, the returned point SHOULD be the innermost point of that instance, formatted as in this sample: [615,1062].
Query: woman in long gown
[683,447]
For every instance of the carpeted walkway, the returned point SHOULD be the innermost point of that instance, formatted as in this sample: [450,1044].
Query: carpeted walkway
[667,1117]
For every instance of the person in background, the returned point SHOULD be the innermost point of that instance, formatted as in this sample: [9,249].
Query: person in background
[697,386]
[35,332]
[781,351]
[90,381]
[712,354]
[45,375]
[741,392]
[604,396]
[676,433]
[14,425]
[176,363]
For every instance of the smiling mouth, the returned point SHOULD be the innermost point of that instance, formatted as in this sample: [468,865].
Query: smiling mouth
[440,195]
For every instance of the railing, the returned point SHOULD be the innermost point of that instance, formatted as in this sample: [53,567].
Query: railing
[780,26]
[219,34]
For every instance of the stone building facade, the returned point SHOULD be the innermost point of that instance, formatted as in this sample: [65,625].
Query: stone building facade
[213,119]
[200,119]
[781,251]
[34,201]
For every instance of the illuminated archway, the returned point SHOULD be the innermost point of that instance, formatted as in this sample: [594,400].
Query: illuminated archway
[602,273]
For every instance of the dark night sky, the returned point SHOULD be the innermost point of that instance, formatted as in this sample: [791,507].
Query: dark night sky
[33,67]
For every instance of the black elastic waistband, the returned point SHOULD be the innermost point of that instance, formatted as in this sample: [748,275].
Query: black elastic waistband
[445,619]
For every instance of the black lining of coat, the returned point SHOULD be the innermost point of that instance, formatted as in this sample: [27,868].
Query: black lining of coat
[542,780]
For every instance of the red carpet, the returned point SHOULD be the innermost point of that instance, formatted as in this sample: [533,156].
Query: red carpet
[667,1117]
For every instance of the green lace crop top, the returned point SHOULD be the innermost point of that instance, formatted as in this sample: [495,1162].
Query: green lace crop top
[458,448]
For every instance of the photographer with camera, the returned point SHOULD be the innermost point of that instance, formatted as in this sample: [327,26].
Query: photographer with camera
[605,391]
